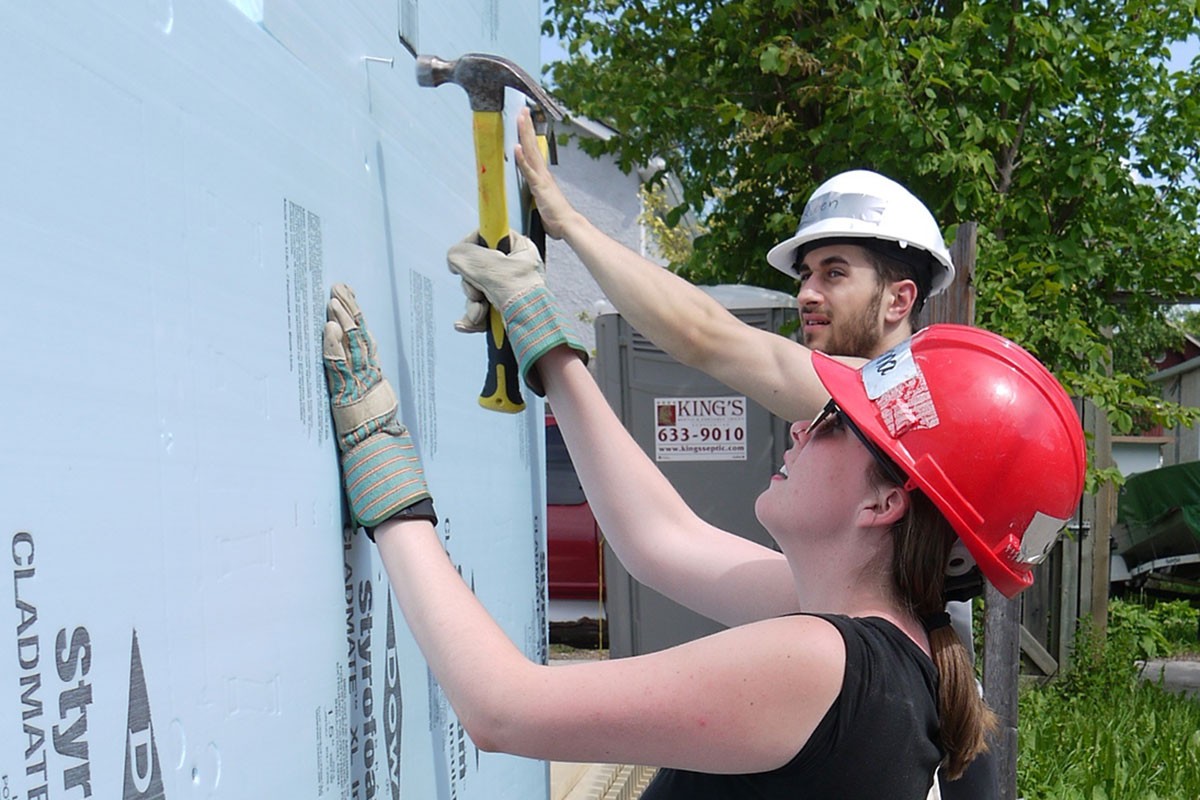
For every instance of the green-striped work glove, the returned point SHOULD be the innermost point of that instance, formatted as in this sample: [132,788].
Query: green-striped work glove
[512,282]
[380,465]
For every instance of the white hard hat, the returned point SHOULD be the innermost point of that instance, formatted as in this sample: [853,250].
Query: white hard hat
[861,204]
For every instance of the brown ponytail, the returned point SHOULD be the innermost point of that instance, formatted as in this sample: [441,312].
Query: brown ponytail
[922,548]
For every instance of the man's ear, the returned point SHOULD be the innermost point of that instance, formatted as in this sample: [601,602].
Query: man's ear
[901,295]
[888,507]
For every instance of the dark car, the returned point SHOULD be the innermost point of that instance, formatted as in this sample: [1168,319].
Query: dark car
[574,543]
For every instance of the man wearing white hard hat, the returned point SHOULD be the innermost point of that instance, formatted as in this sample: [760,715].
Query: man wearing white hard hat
[867,255]
[883,223]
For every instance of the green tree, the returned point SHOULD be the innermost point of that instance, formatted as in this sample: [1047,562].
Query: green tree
[1056,126]
[672,240]
[1188,318]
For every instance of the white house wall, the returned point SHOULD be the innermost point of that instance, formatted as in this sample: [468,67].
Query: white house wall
[608,197]
[1181,384]
[180,183]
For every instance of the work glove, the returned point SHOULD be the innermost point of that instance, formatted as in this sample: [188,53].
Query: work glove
[514,283]
[380,466]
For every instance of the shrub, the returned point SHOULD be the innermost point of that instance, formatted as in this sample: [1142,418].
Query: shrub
[1100,733]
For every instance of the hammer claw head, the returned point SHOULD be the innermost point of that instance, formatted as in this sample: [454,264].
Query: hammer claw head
[484,77]
[542,125]
[433,71]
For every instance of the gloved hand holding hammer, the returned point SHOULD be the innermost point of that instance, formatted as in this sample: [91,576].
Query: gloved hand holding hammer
[514,283]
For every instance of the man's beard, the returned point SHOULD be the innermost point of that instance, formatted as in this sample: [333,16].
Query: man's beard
[859,335]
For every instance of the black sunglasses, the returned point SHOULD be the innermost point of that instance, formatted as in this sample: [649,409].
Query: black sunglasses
[832,412]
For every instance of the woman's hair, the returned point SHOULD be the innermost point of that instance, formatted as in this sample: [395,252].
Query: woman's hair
[922,542]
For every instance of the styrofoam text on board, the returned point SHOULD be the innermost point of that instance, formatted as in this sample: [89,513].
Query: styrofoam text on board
[72,661]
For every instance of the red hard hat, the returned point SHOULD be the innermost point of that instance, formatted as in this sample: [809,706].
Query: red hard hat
[983,429]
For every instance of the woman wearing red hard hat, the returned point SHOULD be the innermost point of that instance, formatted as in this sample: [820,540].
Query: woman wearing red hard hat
[838,674]
[952,385]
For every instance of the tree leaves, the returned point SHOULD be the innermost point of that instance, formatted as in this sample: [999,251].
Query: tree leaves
[1058,128]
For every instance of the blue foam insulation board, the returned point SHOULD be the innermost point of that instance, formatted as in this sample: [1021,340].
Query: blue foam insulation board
[180,183]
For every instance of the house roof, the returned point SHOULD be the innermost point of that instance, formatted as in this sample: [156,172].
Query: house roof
[1185,359]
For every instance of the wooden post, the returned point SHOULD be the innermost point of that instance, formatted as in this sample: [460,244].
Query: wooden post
[1068,604]
[1001,666]
[957,303]
[1106,513]
[1001,634]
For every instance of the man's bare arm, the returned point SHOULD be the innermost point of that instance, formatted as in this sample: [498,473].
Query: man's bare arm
[677,316]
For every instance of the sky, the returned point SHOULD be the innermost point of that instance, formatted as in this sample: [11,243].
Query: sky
[1183,54]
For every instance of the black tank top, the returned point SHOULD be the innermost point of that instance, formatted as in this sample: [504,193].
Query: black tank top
[879,739]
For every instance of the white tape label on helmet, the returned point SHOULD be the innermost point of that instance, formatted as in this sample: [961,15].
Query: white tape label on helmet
[844,205]
[898,388]
[889,370]
[1039,538]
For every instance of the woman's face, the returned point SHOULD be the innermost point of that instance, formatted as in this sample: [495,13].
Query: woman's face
[824,478]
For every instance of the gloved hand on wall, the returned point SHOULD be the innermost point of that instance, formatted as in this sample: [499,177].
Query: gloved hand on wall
[380,466]
[513,282]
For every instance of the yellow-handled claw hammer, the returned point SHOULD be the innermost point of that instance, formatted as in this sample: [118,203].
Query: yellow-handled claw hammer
[484,78]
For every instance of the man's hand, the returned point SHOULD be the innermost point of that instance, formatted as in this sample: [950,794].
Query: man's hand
[380,466]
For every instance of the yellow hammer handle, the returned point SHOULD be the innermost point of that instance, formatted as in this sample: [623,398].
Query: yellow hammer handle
[502,386]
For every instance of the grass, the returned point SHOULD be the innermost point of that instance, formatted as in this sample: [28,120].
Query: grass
[1101,733]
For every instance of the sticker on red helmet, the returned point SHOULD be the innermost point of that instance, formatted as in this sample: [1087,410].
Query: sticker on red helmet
[1039,538]
[907,407]
[889,370]
[894,381]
